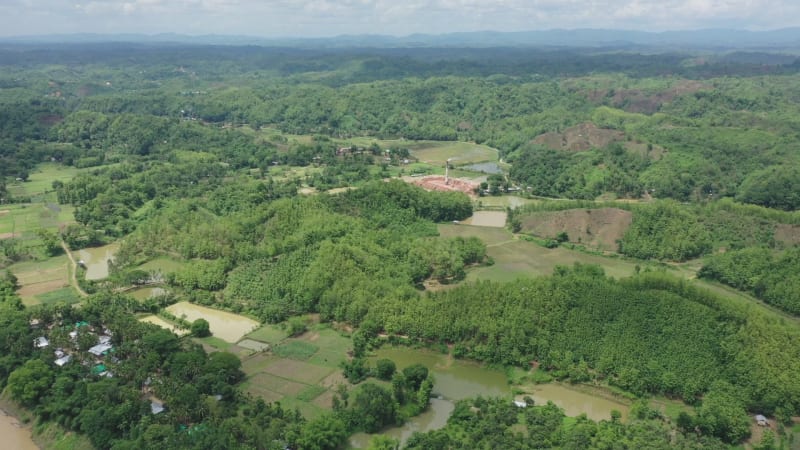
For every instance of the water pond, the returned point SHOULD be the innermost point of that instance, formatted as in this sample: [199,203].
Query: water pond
[227,326]
[457,379]
[155,320]
[575,402]
[495,219]
[433,419]
[96,260]
[147,292]
[454,380]
[14,435]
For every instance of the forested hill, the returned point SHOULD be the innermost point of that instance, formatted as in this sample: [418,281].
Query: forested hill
[279,185]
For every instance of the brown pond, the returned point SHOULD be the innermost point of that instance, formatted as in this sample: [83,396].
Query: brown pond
[458,379]
[495,219]
[575,402]
[96,260]
[13,435]
[227,326]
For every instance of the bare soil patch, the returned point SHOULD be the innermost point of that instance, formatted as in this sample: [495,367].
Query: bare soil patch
[266,394]
[7,235]
[253,345]
[595,228]
[580,138]
[438,183]
[641,101]
[298,370]
[276,384]
[334,379]
[787,234]
[324,400]
[41,288]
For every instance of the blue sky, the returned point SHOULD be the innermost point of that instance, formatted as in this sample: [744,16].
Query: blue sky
[311,18]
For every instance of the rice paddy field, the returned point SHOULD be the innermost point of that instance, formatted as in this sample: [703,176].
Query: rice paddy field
[300,372]
[45,281]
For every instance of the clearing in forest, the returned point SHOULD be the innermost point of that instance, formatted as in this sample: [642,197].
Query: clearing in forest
[600,228]
[586,136]
[515,258]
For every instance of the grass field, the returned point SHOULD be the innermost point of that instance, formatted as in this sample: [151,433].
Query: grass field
[269,334]
[516,258]
[39,187]
[37,278]
[24,219]
[302,372]
[163,264]
[436,152]
[63,295]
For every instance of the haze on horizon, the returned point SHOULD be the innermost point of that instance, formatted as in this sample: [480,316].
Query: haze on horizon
[319,18]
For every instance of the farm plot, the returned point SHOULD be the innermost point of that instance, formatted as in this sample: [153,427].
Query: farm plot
[301,372]
[41,277]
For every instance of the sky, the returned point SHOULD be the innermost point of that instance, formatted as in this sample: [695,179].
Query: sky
[319,18]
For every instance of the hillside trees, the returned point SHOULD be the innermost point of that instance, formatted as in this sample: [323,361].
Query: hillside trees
[663,230]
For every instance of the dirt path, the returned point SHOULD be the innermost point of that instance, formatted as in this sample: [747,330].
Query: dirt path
[74,276]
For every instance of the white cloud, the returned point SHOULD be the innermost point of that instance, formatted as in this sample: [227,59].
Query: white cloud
[331,17]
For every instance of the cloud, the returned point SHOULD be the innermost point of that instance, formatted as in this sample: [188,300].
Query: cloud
[331,17]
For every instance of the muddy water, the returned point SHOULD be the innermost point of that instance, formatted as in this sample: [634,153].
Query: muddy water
[227,326]
[495,219]
[13,435]
[96,260]
[433,419]
[145,293]
[575,402]
[155,320]
[454,380]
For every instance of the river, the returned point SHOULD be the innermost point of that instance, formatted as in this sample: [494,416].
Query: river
[14,436]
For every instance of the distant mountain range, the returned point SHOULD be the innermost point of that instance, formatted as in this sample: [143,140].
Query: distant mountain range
[715,39]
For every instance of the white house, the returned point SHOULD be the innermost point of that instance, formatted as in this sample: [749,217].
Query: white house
[99,349]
